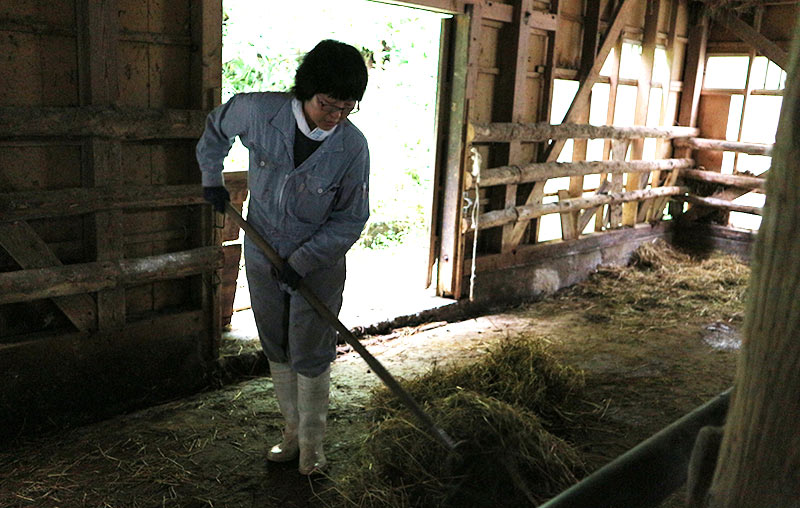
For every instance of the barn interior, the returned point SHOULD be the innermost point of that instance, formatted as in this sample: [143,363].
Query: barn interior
[615,232]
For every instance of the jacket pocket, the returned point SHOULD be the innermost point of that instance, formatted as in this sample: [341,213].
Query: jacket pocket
[260,177]
[312,199]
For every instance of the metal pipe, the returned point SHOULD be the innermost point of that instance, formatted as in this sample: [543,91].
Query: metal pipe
[648,473]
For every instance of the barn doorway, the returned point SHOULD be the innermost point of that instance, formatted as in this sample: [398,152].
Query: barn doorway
[262,43]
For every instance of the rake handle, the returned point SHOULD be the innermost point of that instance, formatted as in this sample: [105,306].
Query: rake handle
[391,383]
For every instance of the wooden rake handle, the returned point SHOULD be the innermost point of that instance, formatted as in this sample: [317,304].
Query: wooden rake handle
[391,383]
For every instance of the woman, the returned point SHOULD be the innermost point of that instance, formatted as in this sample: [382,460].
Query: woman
[309,182]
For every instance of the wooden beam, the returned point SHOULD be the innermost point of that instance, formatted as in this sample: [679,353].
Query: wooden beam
[754,38]
[35,284]
[543,131]
[539,171]
[728,194]
[722,145]
[27,205]
[526,212]
[101,121]
[722,204]
[743,182]
[30,252]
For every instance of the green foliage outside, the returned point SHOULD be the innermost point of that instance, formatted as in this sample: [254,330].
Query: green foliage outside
[262,45]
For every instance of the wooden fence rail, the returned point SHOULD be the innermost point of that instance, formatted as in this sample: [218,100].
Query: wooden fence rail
[527,212]
[537,132]
[39,283]
[722,204]
[742,182]
[27,205]
[539,171]
[721,145]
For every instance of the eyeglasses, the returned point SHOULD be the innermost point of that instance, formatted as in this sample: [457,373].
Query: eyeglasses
[331,108]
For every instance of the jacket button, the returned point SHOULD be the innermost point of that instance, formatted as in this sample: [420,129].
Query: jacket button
[319,191]
[262,164]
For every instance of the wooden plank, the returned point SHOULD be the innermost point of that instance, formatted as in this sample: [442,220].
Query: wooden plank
[525,212]
[27,205]
[753,37]
[639,181]
[105,229]
[99,36]
[175,324]
[55,281]
[543,131]
[527,254]
[723,145]
[30,252]
[102,121]
[537,171]
[442,116]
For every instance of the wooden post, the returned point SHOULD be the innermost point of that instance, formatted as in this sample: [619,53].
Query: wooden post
[510,98]
[615,180]
[591,24]
[102,162]
[653,210]
[638,181]
[448,277]
[759,458]
[206,94]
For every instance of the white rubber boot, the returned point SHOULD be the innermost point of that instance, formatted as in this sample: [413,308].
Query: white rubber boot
[313,396]
[285,381]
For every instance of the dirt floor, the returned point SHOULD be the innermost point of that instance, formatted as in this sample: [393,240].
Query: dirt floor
[654,341]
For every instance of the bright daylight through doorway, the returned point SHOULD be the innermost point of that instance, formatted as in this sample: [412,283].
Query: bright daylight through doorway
[262,42]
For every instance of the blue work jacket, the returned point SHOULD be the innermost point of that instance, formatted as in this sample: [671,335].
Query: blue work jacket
[311,214]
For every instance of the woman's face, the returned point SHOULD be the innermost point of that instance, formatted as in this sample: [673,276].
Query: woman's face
[326,112]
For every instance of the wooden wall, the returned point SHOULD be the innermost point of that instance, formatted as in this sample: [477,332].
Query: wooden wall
[504,63]
[107,260]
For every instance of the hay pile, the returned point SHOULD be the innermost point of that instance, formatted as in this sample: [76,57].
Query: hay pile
[505,411]
[666,285]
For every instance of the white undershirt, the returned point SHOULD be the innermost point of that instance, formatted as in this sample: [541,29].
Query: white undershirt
[317,134]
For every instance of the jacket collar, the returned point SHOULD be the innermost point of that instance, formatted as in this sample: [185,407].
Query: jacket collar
[285,123]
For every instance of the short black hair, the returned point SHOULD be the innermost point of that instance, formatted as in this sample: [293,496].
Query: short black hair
[333,68]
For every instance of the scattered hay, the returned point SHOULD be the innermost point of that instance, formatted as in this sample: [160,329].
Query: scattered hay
[666,284]
[517,371]
[502,409]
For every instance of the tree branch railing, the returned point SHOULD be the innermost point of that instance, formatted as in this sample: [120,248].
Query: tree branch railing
[483,133]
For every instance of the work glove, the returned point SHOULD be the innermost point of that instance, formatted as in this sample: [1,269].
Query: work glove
[217,196]
[288,276]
